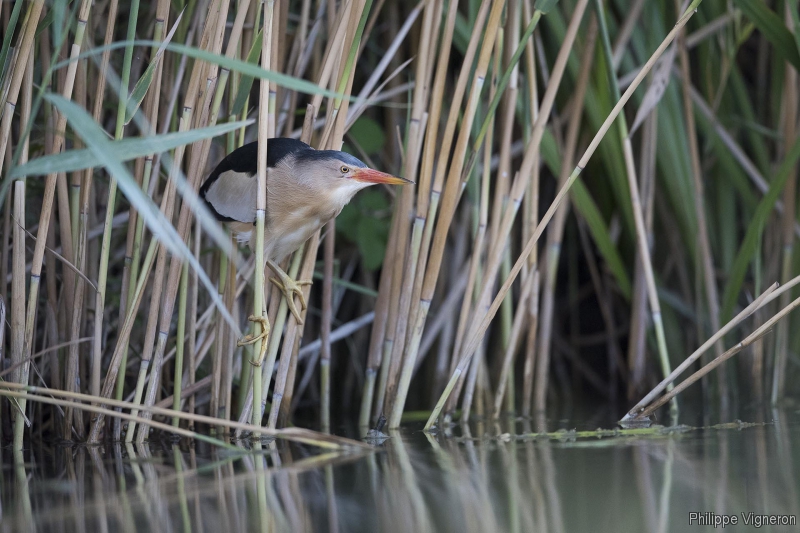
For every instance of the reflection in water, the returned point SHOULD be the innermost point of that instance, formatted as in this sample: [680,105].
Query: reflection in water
[479,479]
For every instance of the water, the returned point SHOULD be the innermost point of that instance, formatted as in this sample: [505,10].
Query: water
[482,478]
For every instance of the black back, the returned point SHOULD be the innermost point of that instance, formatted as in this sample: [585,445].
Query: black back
[245,160]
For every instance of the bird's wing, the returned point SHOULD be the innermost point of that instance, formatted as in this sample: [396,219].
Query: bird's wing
[232,196]
[231,190]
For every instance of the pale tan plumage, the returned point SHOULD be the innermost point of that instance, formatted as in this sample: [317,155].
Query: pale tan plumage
[305,189]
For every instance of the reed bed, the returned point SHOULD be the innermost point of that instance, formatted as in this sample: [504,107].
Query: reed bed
[599,188]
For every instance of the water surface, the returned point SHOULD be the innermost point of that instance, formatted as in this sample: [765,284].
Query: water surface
[485,477]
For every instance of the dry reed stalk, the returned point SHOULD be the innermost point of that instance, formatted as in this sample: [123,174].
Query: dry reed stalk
[508,112]
[476,263]
[332,138]
[144,174]
[531,211]
[647,184]
[230,303]
[638,324]
[23,50]
[106,241]
[377,335]
[520,184]
[428,206]
[217,15]
[513,343]
[508,109]
[379,351]
[478,333]
[347,71]
[475,372]
[638,334]
[750,339]
[185,393]
[278,54]
[261,209]
[86,183]
[112,191]
[409,239]
[709,278]
[305,436]
[23,396]
[710,29]
[300,46]
[327,319]
[284,380]
[80,290]
[278,315]
[52,323]
[478,247]
[453,186]
[293,333]
[556,230]
[65,230]
[477,260]
[18,339]
[6,251]
[380,347]
[220,346]
[121,347]
[789,118]
[18,301]
[287,404]
[208,117]
[337,28]
[50,184]
[193,304]
[643,251]
[767,296]
[81,199]
[64,212]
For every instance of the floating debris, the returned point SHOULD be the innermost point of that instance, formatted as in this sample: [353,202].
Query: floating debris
[629,423]
[375,436]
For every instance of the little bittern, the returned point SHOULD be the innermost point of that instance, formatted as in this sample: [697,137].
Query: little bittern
[305,189]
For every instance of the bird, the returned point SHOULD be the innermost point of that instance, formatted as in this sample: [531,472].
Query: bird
[306,188]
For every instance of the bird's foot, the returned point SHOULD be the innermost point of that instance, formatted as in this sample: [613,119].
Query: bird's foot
[290,289]
[252,339]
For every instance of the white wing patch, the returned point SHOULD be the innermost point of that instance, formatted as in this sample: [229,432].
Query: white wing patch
[233,195]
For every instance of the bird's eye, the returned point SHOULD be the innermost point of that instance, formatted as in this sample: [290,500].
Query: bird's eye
[345,170]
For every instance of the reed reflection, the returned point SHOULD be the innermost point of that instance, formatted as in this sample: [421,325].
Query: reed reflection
[483,477]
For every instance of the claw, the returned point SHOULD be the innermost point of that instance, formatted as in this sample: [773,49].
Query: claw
[290,289]
[252,339]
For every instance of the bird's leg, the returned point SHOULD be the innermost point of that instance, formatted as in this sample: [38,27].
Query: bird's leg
[290,288]
[252,339]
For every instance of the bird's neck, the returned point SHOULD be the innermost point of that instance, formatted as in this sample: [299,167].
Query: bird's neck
[297,209]
[288,197]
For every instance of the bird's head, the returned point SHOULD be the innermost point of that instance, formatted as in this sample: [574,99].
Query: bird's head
[340,172]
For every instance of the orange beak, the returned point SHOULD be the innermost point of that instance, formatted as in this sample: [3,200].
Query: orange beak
[375,176]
